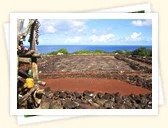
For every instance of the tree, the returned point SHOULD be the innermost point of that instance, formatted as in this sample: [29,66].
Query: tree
[142,51]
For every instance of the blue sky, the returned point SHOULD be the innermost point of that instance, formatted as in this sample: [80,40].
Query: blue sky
[96,32]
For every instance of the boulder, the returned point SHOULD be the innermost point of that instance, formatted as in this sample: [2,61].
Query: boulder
[45,103]
[109,105]
[107,96]
[56,94]
[62,94]
[77,95]
[99,95]
[100,101]
[88,93]
[56,104]
[70,105]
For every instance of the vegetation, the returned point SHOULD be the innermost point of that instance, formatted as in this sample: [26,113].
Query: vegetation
[63,50]
[125,52]
[89,52]
[142,51]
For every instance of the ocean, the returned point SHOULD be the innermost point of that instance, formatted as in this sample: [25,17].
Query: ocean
[72,48]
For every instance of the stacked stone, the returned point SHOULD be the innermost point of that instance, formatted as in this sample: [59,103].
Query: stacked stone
[91,100]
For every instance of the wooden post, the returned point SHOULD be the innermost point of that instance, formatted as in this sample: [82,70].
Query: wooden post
[33,47]
[32,38]
[35,69]
[31,57]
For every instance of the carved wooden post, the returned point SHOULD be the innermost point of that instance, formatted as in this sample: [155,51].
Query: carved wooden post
[32,39]
[33,47]
[28,56]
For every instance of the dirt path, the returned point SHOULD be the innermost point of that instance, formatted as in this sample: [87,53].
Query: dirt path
[95,85]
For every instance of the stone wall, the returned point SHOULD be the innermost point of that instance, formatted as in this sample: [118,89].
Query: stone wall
[134,64]
[90,100]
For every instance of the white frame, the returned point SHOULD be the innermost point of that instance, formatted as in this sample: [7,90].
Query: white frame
[130,8]
[13,64]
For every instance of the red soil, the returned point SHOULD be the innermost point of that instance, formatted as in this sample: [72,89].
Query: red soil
[95,85]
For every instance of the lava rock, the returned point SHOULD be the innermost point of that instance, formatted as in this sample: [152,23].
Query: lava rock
[88,93]
[48,93]
[100,101]
[77,95]
[56,93]
[109,105]
[70,105]
[56,104]
[45,103]
[62,94]
[99,95]
[107,96]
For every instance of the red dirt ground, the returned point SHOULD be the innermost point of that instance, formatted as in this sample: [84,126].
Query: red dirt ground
[95,85]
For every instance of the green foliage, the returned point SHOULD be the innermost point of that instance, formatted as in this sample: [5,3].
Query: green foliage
[142,51]
[125,52]
[89,52]
[63,50]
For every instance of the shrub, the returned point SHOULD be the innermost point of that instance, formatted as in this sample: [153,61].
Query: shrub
[142,51]
[125,52]
[63,50]
[89,52]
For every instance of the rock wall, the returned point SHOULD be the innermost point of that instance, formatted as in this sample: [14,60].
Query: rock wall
[147,60]
[134,64]
[91,100]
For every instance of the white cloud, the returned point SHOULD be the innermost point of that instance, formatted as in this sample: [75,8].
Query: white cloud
[26,22]
[141,23]
[50,29]
[134,37]
[77,25]
[102,38]
[51,26]
[75,39]
[94,31]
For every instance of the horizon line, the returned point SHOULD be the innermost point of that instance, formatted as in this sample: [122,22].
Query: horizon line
[88,45]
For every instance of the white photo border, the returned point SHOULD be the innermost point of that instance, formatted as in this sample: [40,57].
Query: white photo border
[13,64]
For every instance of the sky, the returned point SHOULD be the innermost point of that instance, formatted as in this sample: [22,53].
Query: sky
[95,32]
